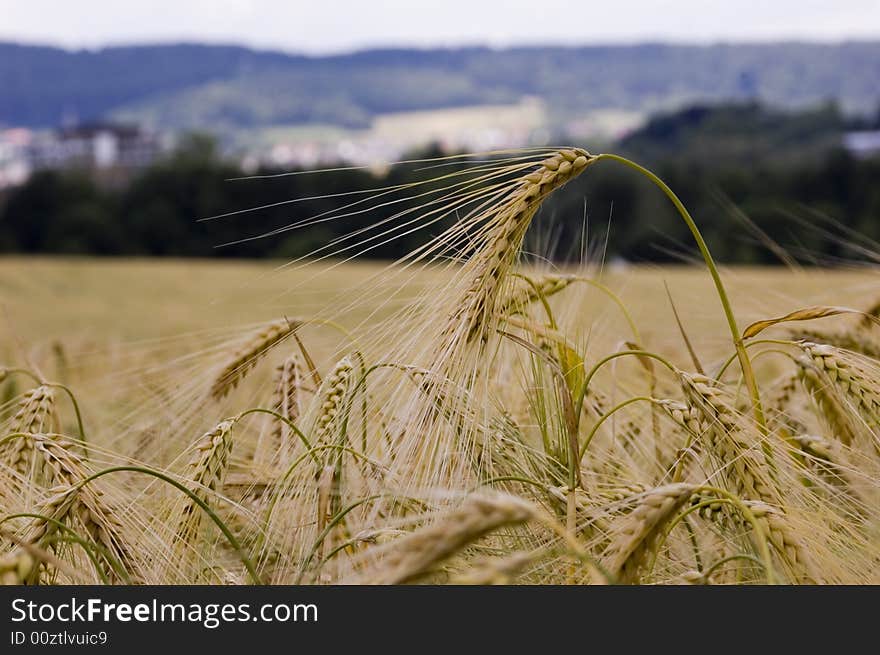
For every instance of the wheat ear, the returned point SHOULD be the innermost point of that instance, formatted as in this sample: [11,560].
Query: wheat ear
[744,466]
[246,357]
[857,340]
[205,470]
[498,570]
[503,239]
[635,536]
[85,502]
[777,526]
[332,397]
[34,415]
[17,567]
[850,377]
[288,385]
[414,556]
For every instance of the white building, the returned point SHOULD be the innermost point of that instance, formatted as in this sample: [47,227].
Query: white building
[96,146]
[15,166]
[865,143]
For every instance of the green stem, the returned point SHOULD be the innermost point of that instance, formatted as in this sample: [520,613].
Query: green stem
[79,421]
[279,485]
[334,521]
[608,358]
[605,417]
[512,478]
[286,421]
[744,361]
[233,542]
[730,359]
[731,558]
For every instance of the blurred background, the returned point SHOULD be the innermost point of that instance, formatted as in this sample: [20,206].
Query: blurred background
[122,124]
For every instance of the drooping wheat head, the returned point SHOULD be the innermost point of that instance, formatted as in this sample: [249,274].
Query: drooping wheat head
[636,535]
[253,348]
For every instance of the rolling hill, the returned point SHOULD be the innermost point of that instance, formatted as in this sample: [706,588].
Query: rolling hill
[227,87]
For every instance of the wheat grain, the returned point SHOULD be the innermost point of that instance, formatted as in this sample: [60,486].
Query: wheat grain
[36,410]
[859,341]
[497,570]
[34,414]
[287,403]
[826,400]
[17,567]
[87,504]
[742,464]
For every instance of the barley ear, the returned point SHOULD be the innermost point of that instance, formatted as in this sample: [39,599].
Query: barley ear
[636,535]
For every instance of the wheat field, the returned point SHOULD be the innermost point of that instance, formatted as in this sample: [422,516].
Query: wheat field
[461,416]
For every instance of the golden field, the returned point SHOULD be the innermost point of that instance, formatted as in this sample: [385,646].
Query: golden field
[454,417]
[118,300]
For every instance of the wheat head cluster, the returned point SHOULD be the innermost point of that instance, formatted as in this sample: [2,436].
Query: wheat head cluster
[471,434]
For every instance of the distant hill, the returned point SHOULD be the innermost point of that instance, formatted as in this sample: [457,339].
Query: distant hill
[725,136]
[218,87]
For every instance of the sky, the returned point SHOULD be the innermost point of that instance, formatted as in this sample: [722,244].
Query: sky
[318,27]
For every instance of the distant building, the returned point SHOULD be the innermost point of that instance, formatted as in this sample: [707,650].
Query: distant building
[863,144]
[15,165]
[97,147]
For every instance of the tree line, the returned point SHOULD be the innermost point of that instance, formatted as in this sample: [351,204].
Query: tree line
[747,201]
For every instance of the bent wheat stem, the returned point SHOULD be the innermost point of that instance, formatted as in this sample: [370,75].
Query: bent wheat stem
[744,361]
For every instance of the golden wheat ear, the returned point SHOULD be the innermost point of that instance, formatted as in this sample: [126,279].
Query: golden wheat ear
[415,555]
[636,537]
[254,347]
[501,240]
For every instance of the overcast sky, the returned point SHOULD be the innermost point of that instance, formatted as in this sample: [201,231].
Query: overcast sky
[320,26]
